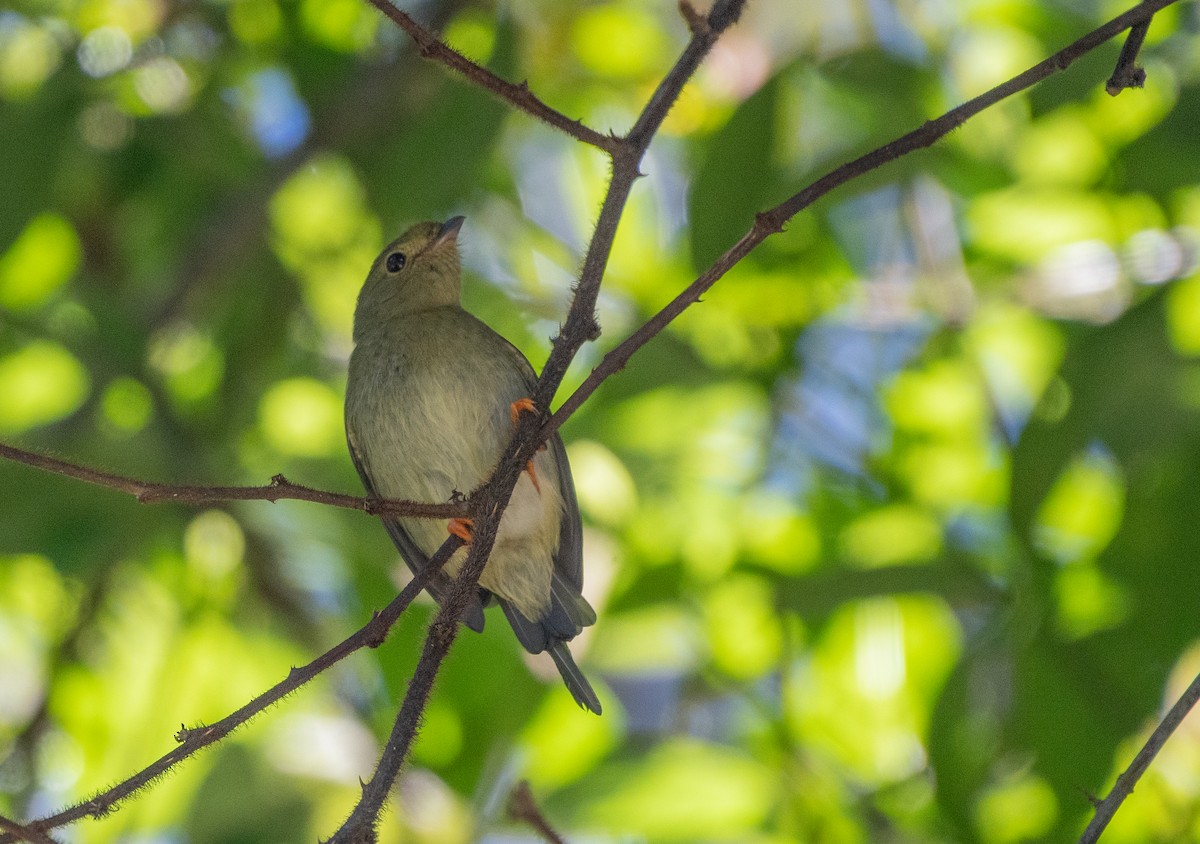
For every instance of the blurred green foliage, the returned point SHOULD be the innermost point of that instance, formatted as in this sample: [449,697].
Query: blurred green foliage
[893,537]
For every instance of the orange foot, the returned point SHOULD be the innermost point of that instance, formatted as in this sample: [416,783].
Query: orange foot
[462,529]
[521,406]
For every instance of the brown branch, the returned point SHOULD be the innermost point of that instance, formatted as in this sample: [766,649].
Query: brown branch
[148,492]
[489,501]
[488,505]
[1107,808]
[772,220]
[522,807]
[581,325]
[192,739]
[517,95]
[24,833]
[1127,74]
[694,20]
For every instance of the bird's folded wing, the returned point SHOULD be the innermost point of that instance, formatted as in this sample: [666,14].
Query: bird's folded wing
[439,584]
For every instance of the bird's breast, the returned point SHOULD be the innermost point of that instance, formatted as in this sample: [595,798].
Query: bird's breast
[425,422]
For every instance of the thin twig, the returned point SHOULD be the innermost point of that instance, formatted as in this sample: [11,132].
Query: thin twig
[580,325]
[772,220]
[488,505]
[1107,808]
[1127,74]
[522,807]
[148,492]
[694,20]
[358,119]
[489,501]
[518,95]
[192,739]
[24,833]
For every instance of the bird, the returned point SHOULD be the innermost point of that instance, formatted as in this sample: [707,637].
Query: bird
[432,397]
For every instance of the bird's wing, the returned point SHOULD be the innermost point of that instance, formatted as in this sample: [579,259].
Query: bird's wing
[439,584]
[569,610]
[568,564]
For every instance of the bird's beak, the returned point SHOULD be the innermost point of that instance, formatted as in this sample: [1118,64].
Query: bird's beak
[449,232]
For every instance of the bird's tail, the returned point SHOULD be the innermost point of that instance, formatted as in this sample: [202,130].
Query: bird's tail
[577,684]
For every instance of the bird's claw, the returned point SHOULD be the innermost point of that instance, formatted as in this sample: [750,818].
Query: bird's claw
[520,406]
[461,528]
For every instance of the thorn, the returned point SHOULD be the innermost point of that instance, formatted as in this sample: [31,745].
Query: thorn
[380,637]
[765,220]
[98,809]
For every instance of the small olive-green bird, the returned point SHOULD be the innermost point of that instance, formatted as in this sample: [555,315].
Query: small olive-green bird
[430,405]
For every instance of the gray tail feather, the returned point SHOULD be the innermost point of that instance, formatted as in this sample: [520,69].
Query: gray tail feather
[574,612]
[577,684]
[531,634]
[534,637]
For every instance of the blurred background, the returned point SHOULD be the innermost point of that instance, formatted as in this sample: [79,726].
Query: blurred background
[894,538]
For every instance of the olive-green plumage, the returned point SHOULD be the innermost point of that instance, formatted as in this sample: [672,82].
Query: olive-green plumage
[428,414]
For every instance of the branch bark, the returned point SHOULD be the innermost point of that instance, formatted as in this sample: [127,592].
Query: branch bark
[517,95]
[24,833]
[1127,74]
[522,807]
[773,219]
[193,739]
[488,503]
[1107,808]
[149,492]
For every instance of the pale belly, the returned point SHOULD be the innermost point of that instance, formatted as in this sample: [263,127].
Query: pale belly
[423,442]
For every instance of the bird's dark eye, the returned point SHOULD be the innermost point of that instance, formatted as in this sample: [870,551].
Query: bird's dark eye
[396,262]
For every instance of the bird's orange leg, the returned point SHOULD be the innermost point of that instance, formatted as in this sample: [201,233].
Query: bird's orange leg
[515,410]
[461,528]
[520,406]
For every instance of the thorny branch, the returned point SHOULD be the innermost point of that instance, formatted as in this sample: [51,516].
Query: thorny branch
[517,95]
[771,221]
[522,807]
[148,492]
[192,739]
[24,833]
[489,501]
[1127,74]
[1107,808]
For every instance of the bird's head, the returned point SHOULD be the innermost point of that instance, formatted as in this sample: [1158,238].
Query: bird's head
[417,271]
